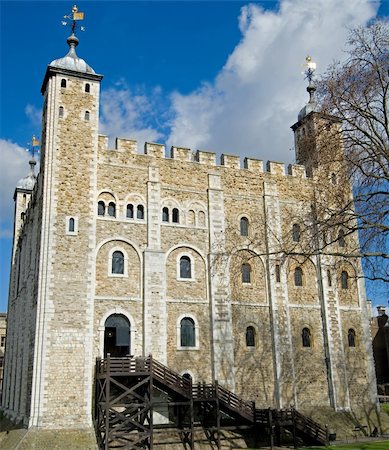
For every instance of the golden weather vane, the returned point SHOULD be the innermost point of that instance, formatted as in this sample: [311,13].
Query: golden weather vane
[310,68]
[74,17]
[33,146]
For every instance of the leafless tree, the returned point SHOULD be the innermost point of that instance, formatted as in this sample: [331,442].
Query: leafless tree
[356,93]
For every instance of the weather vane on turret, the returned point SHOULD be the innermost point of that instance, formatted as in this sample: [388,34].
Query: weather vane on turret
[74,17]
[33,146]
[310,69]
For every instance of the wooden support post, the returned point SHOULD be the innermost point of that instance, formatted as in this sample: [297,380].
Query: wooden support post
[294,428]
[107,400]
[151,404]
[217,414]
[271,429]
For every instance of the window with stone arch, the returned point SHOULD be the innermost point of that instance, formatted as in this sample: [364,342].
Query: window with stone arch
[117,263]
[87,88]
[130,211]
[246,273]
[329,278]
[165,214]
[191,217]
[63,83]
[175,215]
[250,336]
[296,232]
[140,212]
[298,276]
[60,112]
[244,226]
[344,279]
[306,337]
[87,115]
[333,178]
[71,228]
[201,221]
[185,267]
[351,337]
[111,209]
[187,332]
[101,208]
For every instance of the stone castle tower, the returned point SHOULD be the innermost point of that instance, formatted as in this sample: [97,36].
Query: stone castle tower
[203,265]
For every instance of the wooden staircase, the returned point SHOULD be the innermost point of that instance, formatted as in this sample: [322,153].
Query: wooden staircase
[124,407]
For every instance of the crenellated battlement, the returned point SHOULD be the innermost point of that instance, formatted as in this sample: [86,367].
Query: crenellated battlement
[234,162]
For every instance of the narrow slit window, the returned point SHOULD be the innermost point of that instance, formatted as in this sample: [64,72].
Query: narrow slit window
[87,115]
[306,337]
[351,337]
[60,111]
[329,278]
[333,178]
[140,212]
[296,233]
[250,337]
[130,211]
[341,239]
[246,273]
[63,83]
[112,209]
[344,279]
[71,225]
[101,208]
[298,276]
[165,214]
[175,215]
[278,273]
[87,87]
[244,226]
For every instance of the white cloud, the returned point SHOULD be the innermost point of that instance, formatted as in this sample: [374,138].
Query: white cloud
[129,114]
[34,114]
[257,94]
[15,166]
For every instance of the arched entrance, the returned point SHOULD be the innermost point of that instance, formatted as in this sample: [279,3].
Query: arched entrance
[117,334]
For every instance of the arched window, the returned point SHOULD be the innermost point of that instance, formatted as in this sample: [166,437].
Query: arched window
[140,212]
[187,332]
[341,239]
[244,226]
[112,209]
[87,115]
[101,208]
[185,267]
[187,376]
[165,214]
[176,215]
[71,225]
[329,279]
[250,336]
[246,273]
[130,211]
[118,263]
[63,83]
[296,233]
[344,279]
[87,87]
[298,276]
[60,111]
[333,178]
[278,273]
[306,337]
[351,337]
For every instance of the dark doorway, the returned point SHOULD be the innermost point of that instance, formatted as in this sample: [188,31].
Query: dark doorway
[117,336]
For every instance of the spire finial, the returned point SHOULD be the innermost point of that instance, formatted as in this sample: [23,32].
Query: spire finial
[33,149]
[72,20]
[309,72]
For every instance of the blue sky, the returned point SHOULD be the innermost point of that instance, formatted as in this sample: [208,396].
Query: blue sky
[221,76]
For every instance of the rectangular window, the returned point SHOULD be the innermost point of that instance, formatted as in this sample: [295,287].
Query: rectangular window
[278,273]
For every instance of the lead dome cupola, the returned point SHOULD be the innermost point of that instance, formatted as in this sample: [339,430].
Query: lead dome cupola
[27,183]
[71,61]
